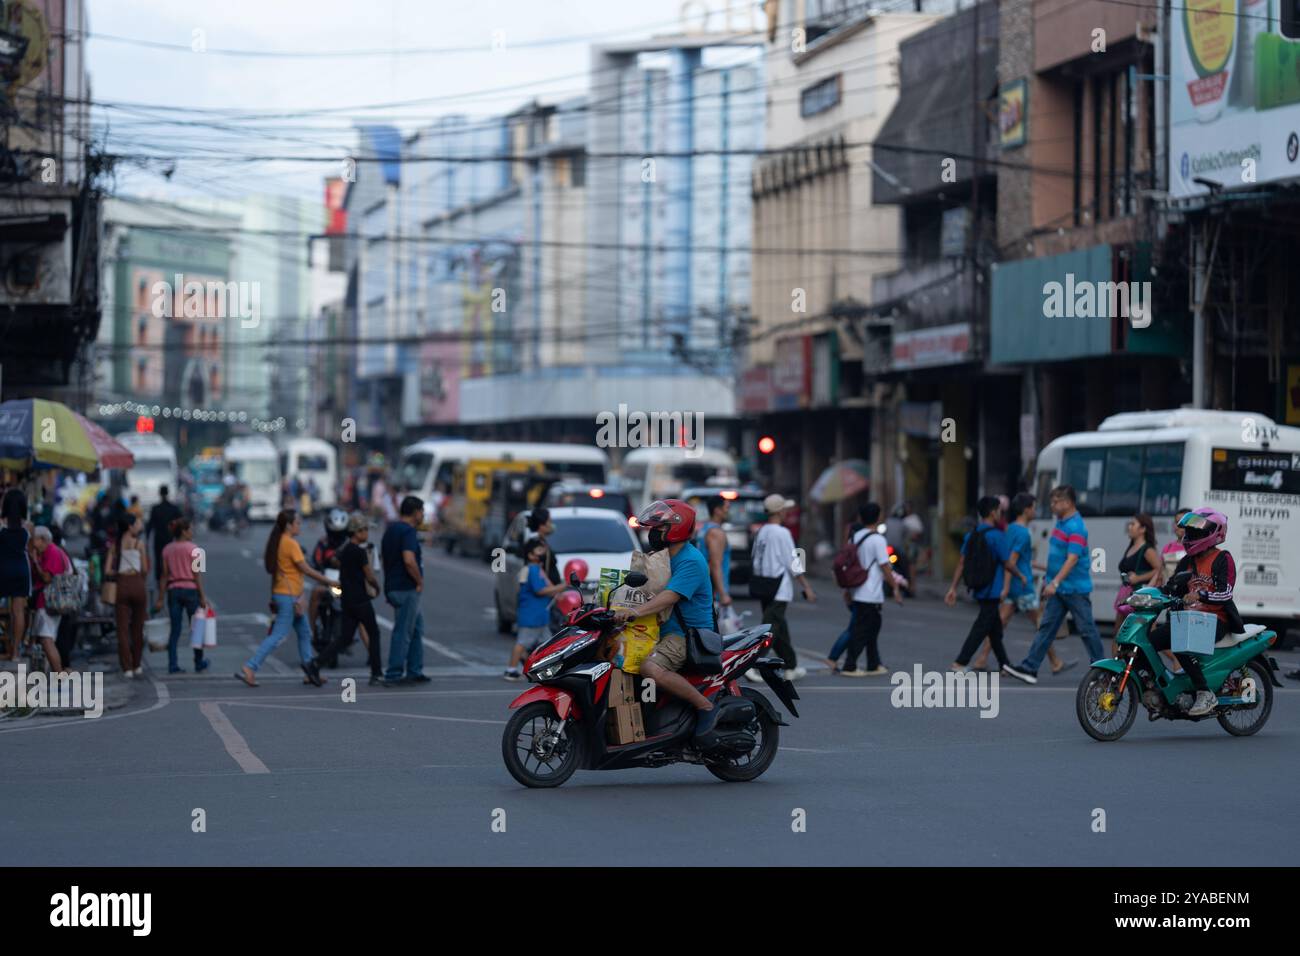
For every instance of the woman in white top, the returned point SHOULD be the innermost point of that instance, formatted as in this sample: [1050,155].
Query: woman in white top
[774,556]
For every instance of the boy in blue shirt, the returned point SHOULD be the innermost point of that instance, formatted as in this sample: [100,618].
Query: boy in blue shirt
[534,600]
[988,622]
[1068,589]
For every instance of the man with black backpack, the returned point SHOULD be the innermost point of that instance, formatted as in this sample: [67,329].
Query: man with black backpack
[866,561]
[982,567]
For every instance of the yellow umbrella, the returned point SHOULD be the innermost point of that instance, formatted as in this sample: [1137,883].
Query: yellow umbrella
[36,432]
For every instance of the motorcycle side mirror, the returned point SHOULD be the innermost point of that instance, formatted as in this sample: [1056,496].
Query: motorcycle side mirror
[635,579]
[574,580]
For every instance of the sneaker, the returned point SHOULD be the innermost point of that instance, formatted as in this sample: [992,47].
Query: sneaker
[705,721]
[200,666]
[128,674]
[419,679]
[376,679]
[175,670]
[394,683]
[879,671]
[1204,703]
[1018,674]
[853,673]
[513,675]
[795,674]
[963,669]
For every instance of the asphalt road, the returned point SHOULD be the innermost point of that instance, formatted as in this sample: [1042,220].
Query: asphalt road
[290,774]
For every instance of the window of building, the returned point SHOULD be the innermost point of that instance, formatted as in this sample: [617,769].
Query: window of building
[820,97]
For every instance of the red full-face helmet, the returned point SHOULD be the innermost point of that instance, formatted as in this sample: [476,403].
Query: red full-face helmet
[668,521]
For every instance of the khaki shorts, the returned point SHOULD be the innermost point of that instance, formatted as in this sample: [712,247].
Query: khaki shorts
[669,653]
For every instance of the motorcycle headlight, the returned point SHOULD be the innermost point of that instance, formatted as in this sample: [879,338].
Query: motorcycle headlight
[546,673]
[1140,599]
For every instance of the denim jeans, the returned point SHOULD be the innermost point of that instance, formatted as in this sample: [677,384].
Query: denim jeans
[407,650]
[842,642]
[286,620]
[180,603]
[1078,606]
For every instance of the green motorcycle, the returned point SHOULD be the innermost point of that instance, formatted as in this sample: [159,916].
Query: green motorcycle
[1111,691]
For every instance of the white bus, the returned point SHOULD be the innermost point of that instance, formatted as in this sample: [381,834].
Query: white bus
[155,466]
[313,459]
[256,463]
[662,472]
[1239,463]
[426,463]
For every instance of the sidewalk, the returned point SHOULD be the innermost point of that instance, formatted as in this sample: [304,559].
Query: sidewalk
[118,691]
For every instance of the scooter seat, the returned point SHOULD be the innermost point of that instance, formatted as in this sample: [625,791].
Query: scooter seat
[1232,640]
[746,636]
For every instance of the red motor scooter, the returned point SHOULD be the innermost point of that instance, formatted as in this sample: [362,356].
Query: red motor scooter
[559,726]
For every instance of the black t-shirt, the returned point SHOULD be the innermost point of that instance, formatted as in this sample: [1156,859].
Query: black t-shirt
[160,518]
[352,576]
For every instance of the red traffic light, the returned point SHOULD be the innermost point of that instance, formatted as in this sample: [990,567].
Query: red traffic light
[144,423]
[767,444]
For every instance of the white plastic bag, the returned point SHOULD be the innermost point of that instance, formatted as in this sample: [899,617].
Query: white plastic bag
[198,626]
[210,628]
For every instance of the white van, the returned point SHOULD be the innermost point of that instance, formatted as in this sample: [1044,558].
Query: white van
[257,464]
[651,473]
[426,463]
[1239,463]
[313,459]
[155,466]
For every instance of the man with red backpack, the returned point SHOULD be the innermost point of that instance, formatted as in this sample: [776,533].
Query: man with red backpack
[865,560]
[984,566]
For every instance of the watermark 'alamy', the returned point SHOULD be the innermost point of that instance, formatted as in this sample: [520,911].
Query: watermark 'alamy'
[651,430]
[212,299]
[74,691]
[1086,299]
[946,689]
[73,909]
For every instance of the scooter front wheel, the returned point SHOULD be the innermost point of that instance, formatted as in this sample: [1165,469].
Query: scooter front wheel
[539,749]
[1104,713]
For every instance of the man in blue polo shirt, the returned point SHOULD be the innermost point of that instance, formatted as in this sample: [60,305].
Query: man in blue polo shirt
[689,595]
[1068,589]
[988,622]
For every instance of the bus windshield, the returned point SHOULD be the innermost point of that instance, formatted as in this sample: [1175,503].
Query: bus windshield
[256,471]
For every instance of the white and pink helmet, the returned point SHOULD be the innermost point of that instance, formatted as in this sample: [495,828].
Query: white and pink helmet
[1203,529]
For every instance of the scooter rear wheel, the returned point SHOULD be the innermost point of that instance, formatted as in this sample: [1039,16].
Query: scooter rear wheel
[1103,712]
[539,749]
[752,765]
[1242,720]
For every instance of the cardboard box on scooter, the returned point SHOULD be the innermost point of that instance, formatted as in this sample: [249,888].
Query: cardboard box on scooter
[626,724]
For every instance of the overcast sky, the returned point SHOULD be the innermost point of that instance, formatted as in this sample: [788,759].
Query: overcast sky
[133,73]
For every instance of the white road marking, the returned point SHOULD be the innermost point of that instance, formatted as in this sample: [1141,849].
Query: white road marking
[232,740]
[349,709]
